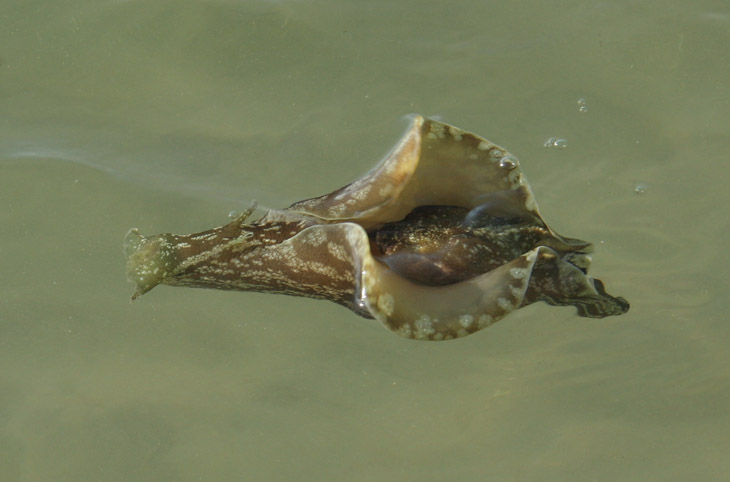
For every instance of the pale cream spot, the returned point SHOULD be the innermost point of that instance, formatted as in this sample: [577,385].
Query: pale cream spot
[484,146]
[354,236]
[337,209]
[484,321]
[424,327]
[547,255]
[405,331]
[461,333]
[431,135]
[386,304]
[438,129]
[530,204]
[390,167]
[385,190]
[531,256]
[505,304]
[319,268]
[360,194]
[518,273]
[455,133]
[206,237]
[514,178]
[466,320]
[368,279]
[516,292]
[316,237]
[337,251]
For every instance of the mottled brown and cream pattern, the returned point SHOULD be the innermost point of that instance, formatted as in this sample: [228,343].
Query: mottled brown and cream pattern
[441,239]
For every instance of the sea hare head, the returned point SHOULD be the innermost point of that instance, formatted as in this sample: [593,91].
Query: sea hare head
[440,240]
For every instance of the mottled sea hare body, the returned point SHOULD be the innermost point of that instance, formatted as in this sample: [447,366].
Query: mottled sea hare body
[441,239]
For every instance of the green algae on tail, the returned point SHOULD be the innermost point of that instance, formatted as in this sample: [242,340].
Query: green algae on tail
[149,260]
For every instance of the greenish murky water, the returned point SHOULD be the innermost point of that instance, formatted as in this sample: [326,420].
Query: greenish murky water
[168,115]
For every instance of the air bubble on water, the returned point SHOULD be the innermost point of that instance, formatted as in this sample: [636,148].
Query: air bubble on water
[582,105]
[556,143]
[508,162]
[641,188]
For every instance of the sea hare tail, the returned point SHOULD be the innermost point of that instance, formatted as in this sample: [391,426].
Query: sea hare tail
[149,260]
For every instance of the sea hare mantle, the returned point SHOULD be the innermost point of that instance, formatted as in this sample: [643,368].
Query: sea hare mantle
[441,239]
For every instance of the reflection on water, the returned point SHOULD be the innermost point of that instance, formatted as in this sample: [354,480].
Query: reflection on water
[168,115]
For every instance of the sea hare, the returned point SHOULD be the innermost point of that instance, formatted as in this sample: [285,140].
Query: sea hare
[441,239]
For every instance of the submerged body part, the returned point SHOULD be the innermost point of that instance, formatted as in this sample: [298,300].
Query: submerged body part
[441,239]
